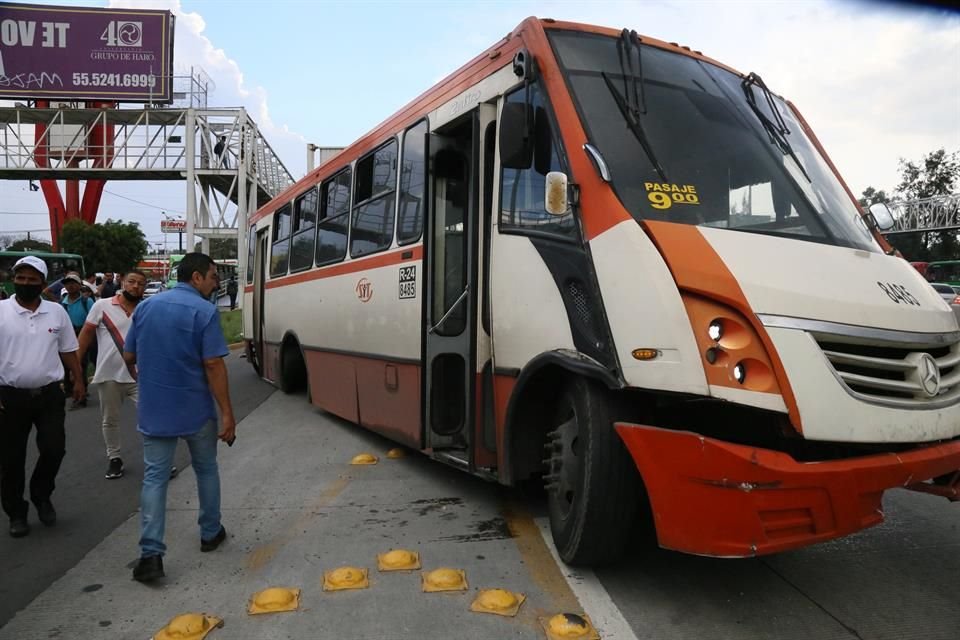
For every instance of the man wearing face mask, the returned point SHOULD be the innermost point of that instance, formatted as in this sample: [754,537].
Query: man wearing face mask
[36,344]
[107,325]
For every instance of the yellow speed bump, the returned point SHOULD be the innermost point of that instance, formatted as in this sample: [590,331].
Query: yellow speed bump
[345,578]
[189,626]
[498,601]
[444,580]
[398,560]
[274,600]
[569,626]
[364,458]
[393,454]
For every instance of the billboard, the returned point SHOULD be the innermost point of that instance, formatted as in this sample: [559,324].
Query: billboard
[173,226]
[82,53]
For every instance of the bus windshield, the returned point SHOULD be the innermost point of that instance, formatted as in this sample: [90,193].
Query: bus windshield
[684,144]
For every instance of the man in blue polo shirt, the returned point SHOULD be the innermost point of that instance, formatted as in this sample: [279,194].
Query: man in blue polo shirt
[177,344]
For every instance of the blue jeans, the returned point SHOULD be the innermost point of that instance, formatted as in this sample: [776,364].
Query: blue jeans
[157,461]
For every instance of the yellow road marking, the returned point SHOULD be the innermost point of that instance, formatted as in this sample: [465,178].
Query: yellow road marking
[538,560]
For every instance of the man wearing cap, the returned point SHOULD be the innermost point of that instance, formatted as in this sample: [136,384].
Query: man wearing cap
[36,344]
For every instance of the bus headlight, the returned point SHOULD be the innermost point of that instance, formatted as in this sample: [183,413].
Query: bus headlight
[715,331]
[739,372]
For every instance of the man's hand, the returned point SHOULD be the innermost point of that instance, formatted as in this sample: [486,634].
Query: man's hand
[79,391]
[228,428]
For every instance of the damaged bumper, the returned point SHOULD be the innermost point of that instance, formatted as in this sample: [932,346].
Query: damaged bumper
[715,498]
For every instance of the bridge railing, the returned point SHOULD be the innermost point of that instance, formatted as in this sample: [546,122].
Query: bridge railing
[938,213]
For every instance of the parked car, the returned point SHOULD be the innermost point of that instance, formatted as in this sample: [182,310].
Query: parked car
[949,295]
[153,288]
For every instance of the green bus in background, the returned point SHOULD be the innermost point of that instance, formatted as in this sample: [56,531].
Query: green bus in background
[57,265]
[172,273]
[945,271]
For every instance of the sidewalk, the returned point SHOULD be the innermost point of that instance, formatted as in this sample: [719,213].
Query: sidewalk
[294,507]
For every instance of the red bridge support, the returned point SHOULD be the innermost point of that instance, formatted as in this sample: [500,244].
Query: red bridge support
[98,146]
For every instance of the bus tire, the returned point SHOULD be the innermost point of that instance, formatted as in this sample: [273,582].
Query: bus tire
[293,370]
[593,488]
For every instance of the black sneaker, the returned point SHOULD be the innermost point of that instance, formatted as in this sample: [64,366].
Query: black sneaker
[115,469]
[46,513]
[149,568]
[19,527]
[211,545]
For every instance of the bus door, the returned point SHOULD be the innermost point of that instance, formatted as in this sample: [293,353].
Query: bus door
[450,330]
[259,281]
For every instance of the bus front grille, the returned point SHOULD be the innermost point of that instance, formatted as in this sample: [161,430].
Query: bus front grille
[903,375]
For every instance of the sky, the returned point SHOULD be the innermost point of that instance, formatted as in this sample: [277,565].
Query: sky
[877,81]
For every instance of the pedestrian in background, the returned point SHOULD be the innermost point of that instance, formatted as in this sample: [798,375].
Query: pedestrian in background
[108,324]
[108,288]
[90,284]
[36,344]
[176,342]
[220,151]
[77,307]
[232,290]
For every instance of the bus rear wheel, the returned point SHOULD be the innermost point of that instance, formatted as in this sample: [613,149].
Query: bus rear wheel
[293,370]
[593,488]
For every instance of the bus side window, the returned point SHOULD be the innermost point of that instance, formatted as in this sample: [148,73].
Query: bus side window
[371,228]
[251,253]
[334,213]
[412,182]
[521,192]
[280,251]
[304,219]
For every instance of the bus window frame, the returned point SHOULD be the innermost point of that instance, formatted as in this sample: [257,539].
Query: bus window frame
[287,210]
[357,205]
[575,236]
[296,219]
[426,183]
[322,214]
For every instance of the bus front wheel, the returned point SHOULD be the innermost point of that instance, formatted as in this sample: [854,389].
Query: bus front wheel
[593,488]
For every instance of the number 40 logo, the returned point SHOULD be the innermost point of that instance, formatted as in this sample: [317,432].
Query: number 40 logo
[122,33]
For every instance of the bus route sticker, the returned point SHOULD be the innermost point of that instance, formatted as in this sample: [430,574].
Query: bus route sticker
[663,195]
[408,282]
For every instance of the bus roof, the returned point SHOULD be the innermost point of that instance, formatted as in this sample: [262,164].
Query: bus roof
[496,56]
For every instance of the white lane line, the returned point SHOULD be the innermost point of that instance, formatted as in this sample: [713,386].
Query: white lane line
[593,597]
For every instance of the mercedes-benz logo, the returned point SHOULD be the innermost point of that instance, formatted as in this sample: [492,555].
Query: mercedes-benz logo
[929,375]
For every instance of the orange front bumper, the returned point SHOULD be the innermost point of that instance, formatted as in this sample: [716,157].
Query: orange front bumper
[714,498]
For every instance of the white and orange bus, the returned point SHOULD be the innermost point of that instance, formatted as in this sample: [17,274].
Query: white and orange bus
[624,269]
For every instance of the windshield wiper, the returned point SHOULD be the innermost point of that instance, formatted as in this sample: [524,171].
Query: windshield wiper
[777,128]
[632,102]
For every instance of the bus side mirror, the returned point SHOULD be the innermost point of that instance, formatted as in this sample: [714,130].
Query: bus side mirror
[555,193]
[882,216]
[516,140]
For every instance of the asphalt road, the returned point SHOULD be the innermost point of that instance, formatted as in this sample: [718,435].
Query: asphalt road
[88,506]
[296,508]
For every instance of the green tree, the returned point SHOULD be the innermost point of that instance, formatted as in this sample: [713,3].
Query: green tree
[110,246]
[871,196]
[935,175]
[220,248]
[24,244]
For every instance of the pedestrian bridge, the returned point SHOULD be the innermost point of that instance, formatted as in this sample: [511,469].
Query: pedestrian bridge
[939,213]
[230,168]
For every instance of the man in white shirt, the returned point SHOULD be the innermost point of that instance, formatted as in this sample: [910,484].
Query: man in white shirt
[107,325]
[36,343]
